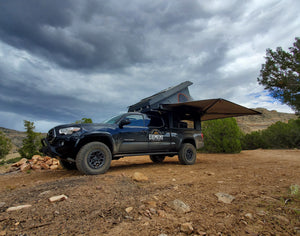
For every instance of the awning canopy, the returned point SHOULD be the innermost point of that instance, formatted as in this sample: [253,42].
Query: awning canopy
[210,109]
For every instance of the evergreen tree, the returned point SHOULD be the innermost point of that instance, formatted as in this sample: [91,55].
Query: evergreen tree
[31,144]
[280,75]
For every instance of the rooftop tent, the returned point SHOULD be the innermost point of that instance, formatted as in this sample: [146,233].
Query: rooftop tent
[178,93]
[210,109]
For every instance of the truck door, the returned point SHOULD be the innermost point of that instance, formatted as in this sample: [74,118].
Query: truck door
[133,136]
[158,134]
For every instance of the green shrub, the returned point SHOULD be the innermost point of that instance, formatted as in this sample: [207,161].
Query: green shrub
[221,136]
[5,145]
[278,136]
[252,141]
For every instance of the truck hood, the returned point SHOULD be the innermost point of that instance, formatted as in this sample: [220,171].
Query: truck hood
[89,127]
[99,126]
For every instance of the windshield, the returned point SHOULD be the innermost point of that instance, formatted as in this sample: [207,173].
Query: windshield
[113,120]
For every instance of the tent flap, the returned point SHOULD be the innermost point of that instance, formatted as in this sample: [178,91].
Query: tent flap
[211,109]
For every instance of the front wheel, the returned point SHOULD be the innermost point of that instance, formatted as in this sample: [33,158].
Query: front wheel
[93,158]
[187,154]
[157,158]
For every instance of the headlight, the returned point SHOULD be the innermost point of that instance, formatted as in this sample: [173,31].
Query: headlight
[69,130]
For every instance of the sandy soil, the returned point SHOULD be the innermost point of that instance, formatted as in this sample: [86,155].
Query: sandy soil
[258,180]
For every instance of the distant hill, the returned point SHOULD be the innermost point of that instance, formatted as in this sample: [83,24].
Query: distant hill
[259,122]
[246,123]
[16,137]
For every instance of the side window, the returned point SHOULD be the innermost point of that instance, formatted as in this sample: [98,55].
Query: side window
[155,122]
[136,120]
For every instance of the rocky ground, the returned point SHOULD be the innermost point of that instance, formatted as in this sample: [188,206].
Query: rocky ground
[239,194]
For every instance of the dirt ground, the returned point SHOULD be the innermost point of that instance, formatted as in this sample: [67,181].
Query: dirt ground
[258,180]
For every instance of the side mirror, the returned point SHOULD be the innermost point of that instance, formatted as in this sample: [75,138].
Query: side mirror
[124,122]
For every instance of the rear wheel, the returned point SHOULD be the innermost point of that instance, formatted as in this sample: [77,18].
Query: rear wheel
[157,158]
[93,158]
[187,154]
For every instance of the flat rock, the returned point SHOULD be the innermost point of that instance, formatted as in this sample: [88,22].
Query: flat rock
[58,198]
[224,197]
[179,206]
[139,177]
[16,208]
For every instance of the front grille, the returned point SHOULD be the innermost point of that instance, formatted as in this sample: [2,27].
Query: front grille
[51,135]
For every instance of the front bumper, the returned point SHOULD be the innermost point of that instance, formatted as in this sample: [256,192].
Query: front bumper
[48,150]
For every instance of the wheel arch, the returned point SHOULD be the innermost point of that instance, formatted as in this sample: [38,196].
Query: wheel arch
[189,140]
[103,138]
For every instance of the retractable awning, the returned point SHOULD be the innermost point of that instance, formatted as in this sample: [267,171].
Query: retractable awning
[210,109]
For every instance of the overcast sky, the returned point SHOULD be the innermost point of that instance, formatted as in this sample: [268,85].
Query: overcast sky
[61,61]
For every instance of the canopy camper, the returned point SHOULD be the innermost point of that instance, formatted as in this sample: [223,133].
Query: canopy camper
[177,104]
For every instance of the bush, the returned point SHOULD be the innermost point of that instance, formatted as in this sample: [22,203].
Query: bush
[253,141]
[221,136]
[278,136]
[5,145]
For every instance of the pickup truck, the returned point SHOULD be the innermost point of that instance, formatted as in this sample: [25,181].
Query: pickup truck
[90,148]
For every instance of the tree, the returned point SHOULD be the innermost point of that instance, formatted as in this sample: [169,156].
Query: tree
[31,144]
[280,75]
[84,120]
[5,145]
[222,136]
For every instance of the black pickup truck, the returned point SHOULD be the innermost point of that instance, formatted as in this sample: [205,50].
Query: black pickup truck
[91,147]
[165,124]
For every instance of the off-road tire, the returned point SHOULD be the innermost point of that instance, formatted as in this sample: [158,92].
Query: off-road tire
[68,165]
[187,154]
[93,158]
[157,158]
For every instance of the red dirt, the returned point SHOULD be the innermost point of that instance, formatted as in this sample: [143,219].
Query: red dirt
[259,180]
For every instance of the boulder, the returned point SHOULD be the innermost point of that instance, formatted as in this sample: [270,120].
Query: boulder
[35,157]
[53,167]
[36,167]
[44,166]
[49,162]
[19,163]
[24,167]
[55,161]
